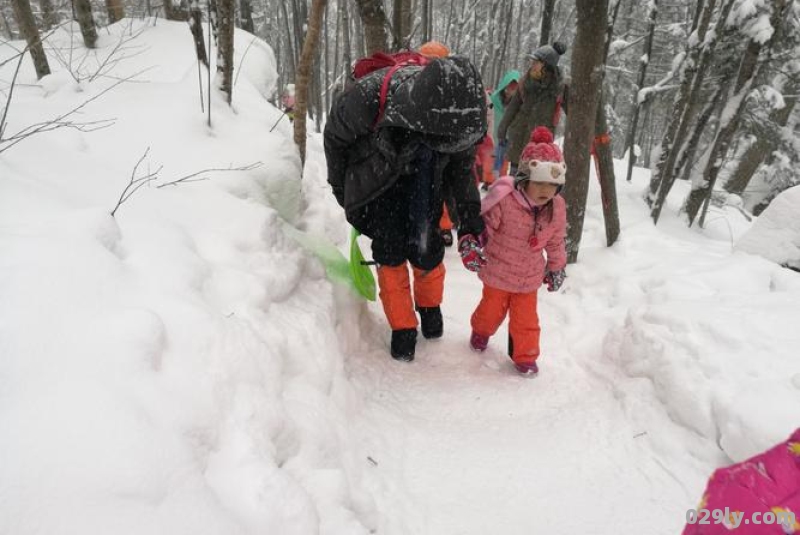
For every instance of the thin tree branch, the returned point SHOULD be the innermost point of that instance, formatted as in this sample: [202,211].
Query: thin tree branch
[192,177]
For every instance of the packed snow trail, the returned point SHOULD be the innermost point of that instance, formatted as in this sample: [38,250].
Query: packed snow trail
[480,449]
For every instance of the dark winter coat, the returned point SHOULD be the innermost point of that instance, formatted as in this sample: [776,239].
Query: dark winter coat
[533,105]
[440,106]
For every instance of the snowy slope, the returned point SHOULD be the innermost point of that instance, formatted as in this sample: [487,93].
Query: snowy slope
[186,367]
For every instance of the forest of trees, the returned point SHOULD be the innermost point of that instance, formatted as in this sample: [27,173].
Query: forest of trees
[697,90]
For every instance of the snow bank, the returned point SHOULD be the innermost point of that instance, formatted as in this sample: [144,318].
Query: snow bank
[776,233]
[176,368]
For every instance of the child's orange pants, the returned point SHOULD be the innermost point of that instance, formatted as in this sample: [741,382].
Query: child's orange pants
[523,324]
[395,293]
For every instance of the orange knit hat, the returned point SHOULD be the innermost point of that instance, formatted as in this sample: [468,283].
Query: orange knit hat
[434,49]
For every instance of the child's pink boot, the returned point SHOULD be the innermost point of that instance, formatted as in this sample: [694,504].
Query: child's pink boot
[478,342]
[529,369]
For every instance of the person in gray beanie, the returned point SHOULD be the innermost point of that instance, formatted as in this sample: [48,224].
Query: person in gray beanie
[538,102]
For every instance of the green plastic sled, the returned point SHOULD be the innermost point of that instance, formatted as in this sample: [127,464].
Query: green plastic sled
[337,267]
[363,279]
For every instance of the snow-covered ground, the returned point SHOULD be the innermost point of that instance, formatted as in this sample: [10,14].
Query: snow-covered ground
[186,367]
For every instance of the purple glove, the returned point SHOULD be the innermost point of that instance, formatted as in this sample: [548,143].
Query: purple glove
[554,279]
[471,251]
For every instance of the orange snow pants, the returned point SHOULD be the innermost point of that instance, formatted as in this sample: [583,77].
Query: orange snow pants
[523,324]
[395,292]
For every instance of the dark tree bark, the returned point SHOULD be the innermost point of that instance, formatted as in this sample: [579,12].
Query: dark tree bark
[49,15]
[173,12]
[637,105]
[763,145]
[374,19]
[304,75]
[196,27]
[604,162]
[547,21]
[82,10]
[27,26]
[587,56]
[116,10]
[246,15]
[402,21]
[226,10]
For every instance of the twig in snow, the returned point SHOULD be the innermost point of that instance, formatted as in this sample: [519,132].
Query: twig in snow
[194,176]
[136,183]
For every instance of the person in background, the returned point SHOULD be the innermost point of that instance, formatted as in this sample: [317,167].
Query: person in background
[500,98]
[525,219]
[392,157]
[538,102]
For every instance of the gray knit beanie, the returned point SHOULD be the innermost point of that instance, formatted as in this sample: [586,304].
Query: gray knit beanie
[549,55]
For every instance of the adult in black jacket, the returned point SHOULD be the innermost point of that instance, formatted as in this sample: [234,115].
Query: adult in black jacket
[391,168]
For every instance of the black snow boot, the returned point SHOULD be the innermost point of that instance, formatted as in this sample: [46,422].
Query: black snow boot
[404,341]
[431,320]
[447,237]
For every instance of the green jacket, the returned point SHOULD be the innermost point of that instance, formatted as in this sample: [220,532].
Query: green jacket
[534,104]
[497,99]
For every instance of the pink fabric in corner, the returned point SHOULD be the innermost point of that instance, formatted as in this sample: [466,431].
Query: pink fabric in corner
[513,263]
[766,483]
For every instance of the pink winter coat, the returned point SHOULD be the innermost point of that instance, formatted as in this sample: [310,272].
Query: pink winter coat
[517,238]
[738,497]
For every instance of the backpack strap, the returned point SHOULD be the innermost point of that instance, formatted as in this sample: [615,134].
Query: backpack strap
[387,79]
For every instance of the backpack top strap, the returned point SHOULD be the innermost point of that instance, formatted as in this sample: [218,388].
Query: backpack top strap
[385,92]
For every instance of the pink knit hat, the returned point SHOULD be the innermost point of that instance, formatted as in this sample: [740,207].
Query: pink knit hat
[541,159]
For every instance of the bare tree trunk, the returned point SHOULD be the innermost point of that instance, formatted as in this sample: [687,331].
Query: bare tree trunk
[49,15]
[116,10]
[82,10]
[347,58]
[402,24]
[226,10]
[171,12]
[637,105]
[290,52]
[246,11]
[604,163]
[6,25]
[374,20]
[303,75]
[763,146]
[748,72]
[27,26]
[583,96]
[426,30]
[196,27]
[601,146]
[664,174]
[547,22]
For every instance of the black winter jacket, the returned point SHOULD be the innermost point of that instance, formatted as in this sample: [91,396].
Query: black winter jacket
[441,105]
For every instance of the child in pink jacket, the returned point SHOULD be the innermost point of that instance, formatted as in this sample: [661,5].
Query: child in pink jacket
[525,218]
